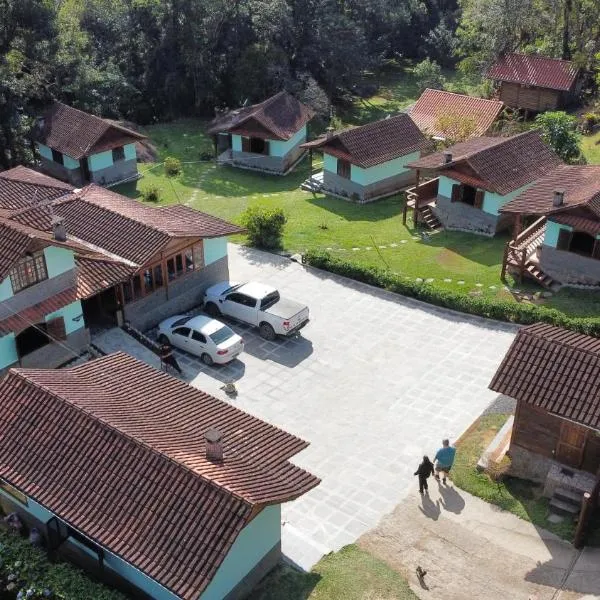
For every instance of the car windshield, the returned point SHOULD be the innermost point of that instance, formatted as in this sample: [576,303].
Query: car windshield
[180,322]
[269,300]
[233,287]
[221,335]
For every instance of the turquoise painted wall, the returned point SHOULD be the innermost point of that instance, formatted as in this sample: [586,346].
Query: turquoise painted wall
[253,542]
[8,350]
[214,249]
[5,289]
[330,163]
[382,171]
[58,260]
[445,186]
[552,231]
[68,162]
[111,561]
[99,161]
[68,313]
[130,153]
[236,143]
[281,148]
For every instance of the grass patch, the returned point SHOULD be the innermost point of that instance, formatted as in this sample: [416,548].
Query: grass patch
[590,146]
[350,574]
[520,497]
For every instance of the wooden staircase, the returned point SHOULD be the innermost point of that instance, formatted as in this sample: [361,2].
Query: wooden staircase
[428,218]
[533,271]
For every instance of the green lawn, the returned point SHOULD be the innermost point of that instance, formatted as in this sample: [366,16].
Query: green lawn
[590,146]
[350,574]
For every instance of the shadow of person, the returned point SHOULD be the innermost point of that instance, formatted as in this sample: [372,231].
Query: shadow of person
[451,500]
[430,508]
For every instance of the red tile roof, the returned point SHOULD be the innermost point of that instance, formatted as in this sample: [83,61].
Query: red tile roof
[22,187]
[97,273]
[504,163]
[534,70]
[374,143]
[17,322]
[125,227]
[434,104]
[590,225]
[78,134]
[580,183]
[278,117]
[118,453]
[553,369]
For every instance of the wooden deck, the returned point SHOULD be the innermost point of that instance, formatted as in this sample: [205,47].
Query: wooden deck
[420,199]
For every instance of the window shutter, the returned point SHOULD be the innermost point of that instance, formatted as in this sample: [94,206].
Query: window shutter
[479,194]
[564,239]
[56,329]
[596,251]
[245,144]
[267,150]
[456,192]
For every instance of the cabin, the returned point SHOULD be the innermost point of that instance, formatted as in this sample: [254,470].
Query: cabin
[468,183]
[554,375]
[146,262]
[366,163]
[469,116]
[81,148]
[534,83]
[41,316]
[264,137]
[561,244]
[182,502]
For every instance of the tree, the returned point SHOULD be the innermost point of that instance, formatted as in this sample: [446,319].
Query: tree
[455,127]
[428,74]
[559,131]
[265,226]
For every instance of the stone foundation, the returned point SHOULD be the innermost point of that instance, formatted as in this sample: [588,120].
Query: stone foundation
[569,268]
[464,217]
[355,192]
[560,476]
[529,465]
[119,171]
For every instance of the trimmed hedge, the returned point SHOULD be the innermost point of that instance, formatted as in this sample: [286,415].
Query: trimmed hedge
[501,310]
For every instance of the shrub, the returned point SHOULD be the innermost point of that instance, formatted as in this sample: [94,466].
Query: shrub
[500,310]
[265,226]
[559,132]
[172,166]
[151,194]
[428,74]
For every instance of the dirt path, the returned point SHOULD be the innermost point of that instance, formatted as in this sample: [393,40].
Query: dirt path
[470,549]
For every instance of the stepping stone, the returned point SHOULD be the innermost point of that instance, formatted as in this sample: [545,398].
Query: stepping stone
[492,287]
[355,249]
[382,247]
[447,280]
[415,238]
[479,284]
[429,280]
[555,518]
[328,248]
[368,248]
[461,282]
[404,241]
[418,280]
[393,245]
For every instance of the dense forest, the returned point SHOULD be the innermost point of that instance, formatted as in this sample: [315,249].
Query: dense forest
[148,60]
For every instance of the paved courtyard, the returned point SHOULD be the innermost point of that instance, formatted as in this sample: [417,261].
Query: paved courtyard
[375,381]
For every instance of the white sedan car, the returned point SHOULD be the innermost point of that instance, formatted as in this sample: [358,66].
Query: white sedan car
[207,338]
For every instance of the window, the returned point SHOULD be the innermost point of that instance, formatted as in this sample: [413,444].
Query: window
[182,331]
[137,287]
[180,322]
[29,271]
[158,277]
[118,154]
[148,281]
[343,168]
[582,243]
[269,300]
[72,533]
[14,492]
[242,299]
[127,292]
[171,269]
[179,265]
[189,260]
[31,339]
[198,256]
[196,335]
[57,157]
[221,335]
[259,146]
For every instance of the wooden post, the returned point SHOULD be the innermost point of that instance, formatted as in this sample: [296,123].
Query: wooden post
[215,147]
[584,516]
[310,163]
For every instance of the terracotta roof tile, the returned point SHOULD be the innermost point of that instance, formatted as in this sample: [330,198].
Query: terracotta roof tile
[107,458]
[97,273]
[22,187]
[35,314]
[376,142]
[553,369]
[580,183]
[535,70]
[281,116]
[504,163]
[433,104]
[78,134]
[579,223]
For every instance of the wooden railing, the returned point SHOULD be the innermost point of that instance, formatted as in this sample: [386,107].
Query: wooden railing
[518,250]
[420,196]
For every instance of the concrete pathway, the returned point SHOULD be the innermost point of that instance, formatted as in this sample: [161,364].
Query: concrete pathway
[471,549]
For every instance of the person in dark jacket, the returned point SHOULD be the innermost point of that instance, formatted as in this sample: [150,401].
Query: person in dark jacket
[424,471]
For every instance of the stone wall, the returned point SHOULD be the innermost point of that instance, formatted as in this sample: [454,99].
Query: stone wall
[73,176]
[529,465]
[463,217]
[122,169]
[183,294]
[568,267]
[362,194]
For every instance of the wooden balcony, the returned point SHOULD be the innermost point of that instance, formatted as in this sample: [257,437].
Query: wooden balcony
[419,197]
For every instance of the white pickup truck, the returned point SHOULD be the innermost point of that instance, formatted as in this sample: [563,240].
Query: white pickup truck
[258,305]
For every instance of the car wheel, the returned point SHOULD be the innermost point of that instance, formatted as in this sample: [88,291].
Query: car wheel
[267,332]
[212,310]
[207,359]
[163,339]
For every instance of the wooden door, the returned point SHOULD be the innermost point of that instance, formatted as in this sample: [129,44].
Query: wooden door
[571,445]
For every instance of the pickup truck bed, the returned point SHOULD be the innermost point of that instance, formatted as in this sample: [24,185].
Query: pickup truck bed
[285,309]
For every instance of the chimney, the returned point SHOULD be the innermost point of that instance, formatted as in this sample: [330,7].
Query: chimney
[59,231]
[214,445]
[447,157]
[559,196]
[329,133]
